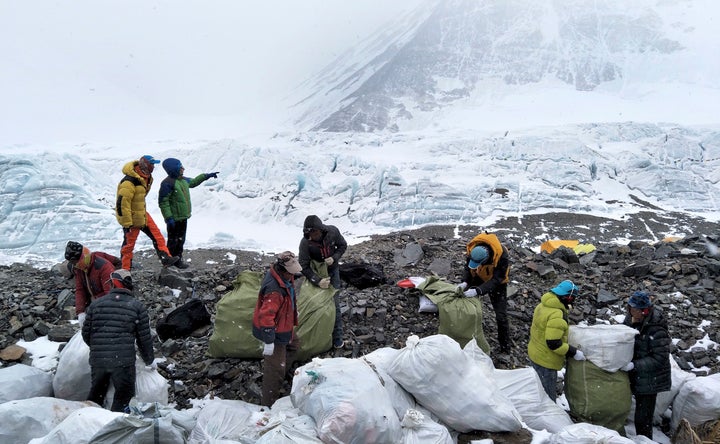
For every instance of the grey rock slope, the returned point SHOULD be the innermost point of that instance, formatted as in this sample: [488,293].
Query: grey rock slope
[684,277]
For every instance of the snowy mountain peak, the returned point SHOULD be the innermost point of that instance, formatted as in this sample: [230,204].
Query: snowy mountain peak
[465,52]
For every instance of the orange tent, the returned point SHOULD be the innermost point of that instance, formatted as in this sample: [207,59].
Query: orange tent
[550,245]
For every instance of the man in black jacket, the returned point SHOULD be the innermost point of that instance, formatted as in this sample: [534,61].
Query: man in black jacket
[649,370]
[324,244]
[114,323]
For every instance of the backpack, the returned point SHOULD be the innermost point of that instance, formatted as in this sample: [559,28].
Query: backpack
[362,275]
[183,320]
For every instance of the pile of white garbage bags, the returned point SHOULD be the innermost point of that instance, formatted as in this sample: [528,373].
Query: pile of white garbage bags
[427,392]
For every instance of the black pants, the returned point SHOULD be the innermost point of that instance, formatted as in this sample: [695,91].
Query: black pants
[122,379]
[337,333]
[644,410]
[176,237]
[498,299]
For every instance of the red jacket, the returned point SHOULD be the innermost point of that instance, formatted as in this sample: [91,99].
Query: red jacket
[92,277]
[275,314]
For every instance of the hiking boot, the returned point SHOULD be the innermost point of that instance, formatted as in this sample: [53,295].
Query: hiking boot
[168,260]
[338,343]
[182,264]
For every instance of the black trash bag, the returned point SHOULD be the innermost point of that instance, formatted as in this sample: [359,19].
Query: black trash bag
[182,321]
[362,275]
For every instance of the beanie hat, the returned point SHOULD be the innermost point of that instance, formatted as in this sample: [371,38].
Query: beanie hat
[73,251]
[121,278]
[478,255]
[172,167]
[640,300]
[566,289]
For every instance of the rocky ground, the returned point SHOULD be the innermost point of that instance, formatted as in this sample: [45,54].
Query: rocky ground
[683,275]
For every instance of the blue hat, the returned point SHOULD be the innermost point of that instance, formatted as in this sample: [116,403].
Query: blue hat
[478,255]
[150,159]
[566,288]
[640,299]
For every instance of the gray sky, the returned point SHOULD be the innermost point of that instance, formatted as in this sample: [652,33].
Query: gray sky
[71,69]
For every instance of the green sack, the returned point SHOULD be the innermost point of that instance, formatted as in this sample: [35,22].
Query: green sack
[460,317]
[597,396]
[232,335]
[316,313]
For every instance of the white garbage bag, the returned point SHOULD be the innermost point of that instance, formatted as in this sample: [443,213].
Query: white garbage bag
[447,382]
[25,419]
[22,381]
[347,399]
[609,347]
[72,377]
[78,427]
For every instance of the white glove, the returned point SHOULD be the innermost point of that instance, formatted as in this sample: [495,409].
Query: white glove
[324,283]
[81,319]
[470,293]
[152,366]
[462,285]
[627,367]
[579,355]
[329,261]
[268,349]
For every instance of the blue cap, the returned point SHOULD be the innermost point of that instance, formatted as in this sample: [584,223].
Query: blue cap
[150,159]
[478,255]
[566,288]
[640,299]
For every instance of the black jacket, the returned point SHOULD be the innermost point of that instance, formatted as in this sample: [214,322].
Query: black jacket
[113,324]
[652,355]
[332,244]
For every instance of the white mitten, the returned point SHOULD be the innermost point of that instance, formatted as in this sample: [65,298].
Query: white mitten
[268,349]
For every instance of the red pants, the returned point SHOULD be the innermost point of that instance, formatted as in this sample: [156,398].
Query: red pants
[130,236]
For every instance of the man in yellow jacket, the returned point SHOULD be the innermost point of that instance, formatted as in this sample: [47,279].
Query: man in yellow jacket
[548,346]
[487,272]
[130,211]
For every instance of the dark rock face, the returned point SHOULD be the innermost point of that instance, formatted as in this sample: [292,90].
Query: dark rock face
[683,276]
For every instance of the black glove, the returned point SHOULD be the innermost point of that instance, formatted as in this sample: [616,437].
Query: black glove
[170,222]
[212,175]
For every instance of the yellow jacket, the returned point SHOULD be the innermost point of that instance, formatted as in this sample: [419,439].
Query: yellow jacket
[549,323]
[131,191]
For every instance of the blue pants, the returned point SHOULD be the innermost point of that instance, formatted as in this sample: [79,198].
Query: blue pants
[548,379]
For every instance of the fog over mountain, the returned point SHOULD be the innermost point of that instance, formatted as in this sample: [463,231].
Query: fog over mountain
[453,112]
